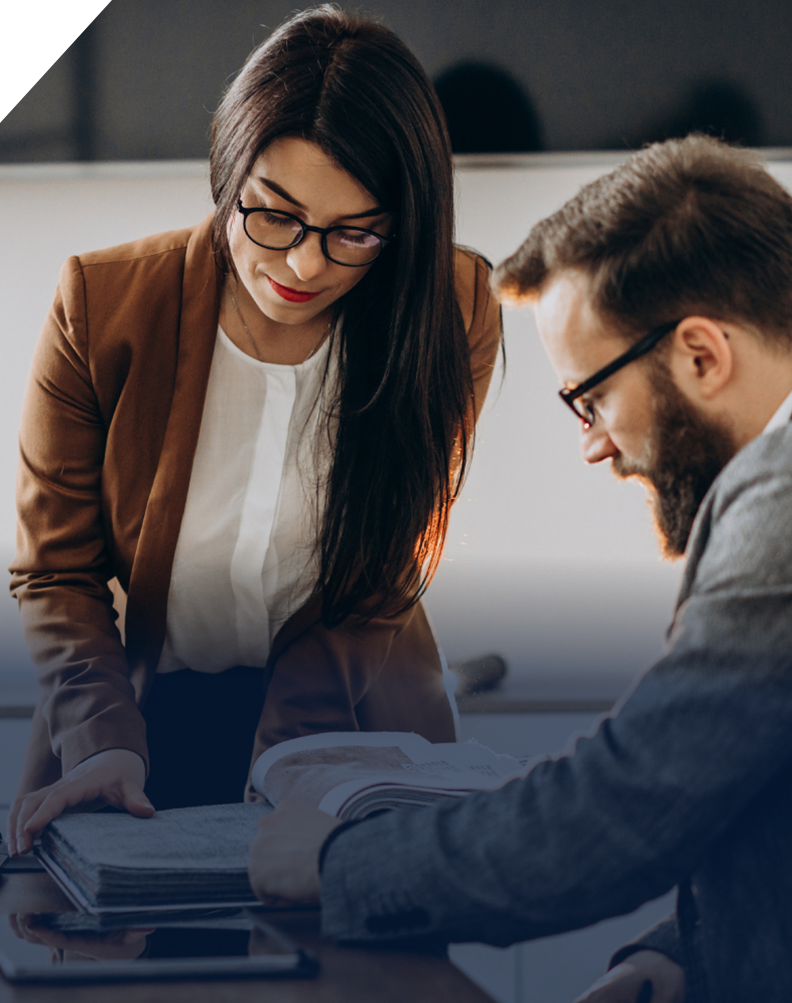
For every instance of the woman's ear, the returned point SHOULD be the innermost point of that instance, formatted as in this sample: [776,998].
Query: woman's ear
[701,359]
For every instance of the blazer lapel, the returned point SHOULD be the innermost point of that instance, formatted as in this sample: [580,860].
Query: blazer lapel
[150,580]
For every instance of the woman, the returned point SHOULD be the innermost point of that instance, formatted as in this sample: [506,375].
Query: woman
[256,427]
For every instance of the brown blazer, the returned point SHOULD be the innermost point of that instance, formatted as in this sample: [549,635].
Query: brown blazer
[110,425]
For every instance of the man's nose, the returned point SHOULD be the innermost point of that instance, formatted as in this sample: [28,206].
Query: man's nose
[307,259]
[596,445]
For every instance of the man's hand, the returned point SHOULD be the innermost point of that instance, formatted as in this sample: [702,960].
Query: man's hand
[645,976]
[284,856]
[115,777]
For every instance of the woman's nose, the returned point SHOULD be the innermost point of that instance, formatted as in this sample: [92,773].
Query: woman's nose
[596,445]
[307,259]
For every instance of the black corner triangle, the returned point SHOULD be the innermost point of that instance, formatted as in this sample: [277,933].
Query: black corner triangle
[57,29]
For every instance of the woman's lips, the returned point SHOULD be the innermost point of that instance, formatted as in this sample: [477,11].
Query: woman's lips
[292,295]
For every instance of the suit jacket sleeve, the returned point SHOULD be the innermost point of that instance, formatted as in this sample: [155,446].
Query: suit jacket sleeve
[61,548]
[634,808]
[321,678]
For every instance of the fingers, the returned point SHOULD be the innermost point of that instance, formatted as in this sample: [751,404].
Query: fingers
[57,799]
[135,801]
[24,925]
[284,855]
[35,811]
[13,819]
[26,808]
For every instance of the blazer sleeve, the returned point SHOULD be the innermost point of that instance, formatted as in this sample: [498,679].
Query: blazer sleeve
[321,677]
[700,745]
[61,568]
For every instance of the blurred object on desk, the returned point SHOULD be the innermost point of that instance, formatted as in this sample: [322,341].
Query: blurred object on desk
[479,675]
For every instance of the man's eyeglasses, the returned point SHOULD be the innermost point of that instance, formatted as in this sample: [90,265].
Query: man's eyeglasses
[584,409]
[278,231]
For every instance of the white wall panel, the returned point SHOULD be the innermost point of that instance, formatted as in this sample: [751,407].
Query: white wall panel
[544,555]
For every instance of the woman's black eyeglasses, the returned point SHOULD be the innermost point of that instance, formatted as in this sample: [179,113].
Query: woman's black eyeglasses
[278,231]
[584,409]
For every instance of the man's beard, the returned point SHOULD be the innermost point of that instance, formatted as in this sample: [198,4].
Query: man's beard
[684,456]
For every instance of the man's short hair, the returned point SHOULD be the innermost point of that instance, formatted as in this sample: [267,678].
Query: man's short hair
[689,226]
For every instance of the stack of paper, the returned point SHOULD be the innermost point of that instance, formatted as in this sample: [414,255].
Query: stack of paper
[181,857]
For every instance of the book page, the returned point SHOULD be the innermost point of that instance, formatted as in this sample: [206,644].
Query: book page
[310,768]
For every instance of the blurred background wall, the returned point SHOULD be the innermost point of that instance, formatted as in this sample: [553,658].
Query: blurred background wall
[515,75]
[552,563]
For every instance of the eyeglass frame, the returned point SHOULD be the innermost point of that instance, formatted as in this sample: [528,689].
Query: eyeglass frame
[322,231]
[570,394]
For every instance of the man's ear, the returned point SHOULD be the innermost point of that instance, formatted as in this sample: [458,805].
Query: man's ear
[701,358]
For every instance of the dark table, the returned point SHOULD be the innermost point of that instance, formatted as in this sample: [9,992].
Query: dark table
[348,975]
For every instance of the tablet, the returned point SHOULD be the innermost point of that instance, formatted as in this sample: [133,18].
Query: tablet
[217,943]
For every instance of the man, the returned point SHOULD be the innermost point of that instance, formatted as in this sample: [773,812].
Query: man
[663,296]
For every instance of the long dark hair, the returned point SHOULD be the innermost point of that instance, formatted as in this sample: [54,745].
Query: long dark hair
[403,410]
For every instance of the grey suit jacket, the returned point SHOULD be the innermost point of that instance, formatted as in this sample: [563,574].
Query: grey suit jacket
[688,782]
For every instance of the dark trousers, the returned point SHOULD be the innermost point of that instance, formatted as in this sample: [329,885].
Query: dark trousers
[200,729]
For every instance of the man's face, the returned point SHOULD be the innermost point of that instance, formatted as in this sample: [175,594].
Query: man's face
[643,423]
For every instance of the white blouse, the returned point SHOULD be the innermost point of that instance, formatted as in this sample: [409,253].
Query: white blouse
[246,556]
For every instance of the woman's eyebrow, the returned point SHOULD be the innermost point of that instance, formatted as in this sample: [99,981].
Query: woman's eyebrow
[281,191]
[275,187]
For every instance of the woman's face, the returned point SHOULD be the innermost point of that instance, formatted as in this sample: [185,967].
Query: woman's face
[296,176]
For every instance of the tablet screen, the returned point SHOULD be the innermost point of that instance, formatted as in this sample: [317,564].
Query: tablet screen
[76,947]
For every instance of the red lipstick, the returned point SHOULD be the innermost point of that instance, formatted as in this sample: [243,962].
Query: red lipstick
[292,295]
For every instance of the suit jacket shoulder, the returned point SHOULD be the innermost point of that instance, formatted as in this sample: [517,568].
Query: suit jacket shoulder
[143,247]
[726,552]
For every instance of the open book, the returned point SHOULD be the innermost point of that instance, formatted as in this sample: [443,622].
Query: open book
[198,857]
[352,774]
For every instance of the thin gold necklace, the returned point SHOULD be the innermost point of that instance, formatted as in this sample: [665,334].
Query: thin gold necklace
[253,342]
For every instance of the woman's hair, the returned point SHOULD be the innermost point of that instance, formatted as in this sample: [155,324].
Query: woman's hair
[403,410]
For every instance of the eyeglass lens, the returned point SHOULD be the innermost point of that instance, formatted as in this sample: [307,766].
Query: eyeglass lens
[279,231]
[585,411]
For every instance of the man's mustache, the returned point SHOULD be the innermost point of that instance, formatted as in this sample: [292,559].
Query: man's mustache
[639,469]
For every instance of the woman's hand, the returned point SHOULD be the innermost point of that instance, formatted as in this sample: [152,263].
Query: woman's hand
[115,777]
[645,976]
